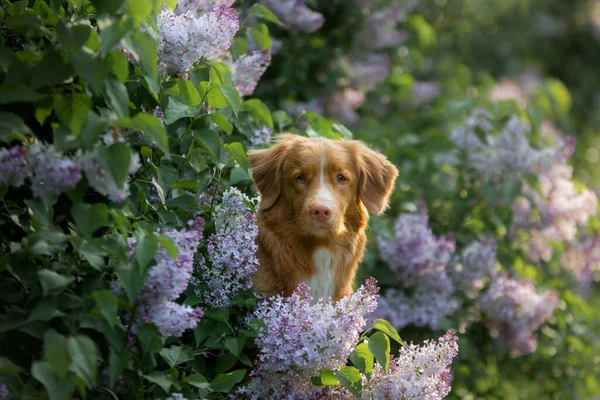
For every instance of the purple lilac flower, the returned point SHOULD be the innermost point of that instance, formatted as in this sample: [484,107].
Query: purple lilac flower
[344,103]
[505,155]
[206,198]
[13,166]
[583,261]
[295,15]
[231,251]
[4,392]
[247,70]
[167,280]
[199,7]
[425,92]
[419,372]
[380,29]
[261,136]
[303,336]
[562,208]
[515,309]
[476,264]
[184,39]
[102,181]
[52,173]
[366,71]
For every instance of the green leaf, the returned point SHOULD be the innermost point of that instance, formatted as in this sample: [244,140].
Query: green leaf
[237,152]
[214,96]
[210,142]
[55,352]
[72,37]
[239,47]
[167,176]
[57,389]
[117,364]
[259,11]
[118,64]
[15,93]
[84,356]
[108,6]
[131,277]
[176,355]
[222,122]
[88,218]
[197,160]
[171,4]
[144,47]
[198,381]
[8,367]
[140,9]
[72,110]
[12,127]
[225,382]
[259,111]
[92,129]
[351,379]
[162,380]
[232,97]
[169,244]
[112,31]
[188,92]
[220,73]
[53,283]
[150,339]
[91,68]
[177,108]
[151,127]
[41,212]
[231,344]
[379,345]
[217,313]
[116,96]
[383,326]
[146,250]
[115,159]
[45,310]
[342,130]
[362,358]
[326,378]
[107,306]
[259,35]
[183,201]
[50,71]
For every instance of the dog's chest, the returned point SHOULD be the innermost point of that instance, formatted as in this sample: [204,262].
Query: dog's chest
[322,283]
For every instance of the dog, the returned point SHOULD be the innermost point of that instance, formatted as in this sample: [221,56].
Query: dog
[316,194]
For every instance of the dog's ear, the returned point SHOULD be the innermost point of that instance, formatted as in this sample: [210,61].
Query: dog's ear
[377,177]
[267,170]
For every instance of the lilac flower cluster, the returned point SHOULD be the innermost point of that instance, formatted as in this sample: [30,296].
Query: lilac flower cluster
[303,336]
[419,372]
[4,392]
[562,208]
[167,280]
[102,181]
[583,261]
[425,92]
[505,155]
[189,36]
[247,70]
[344,103]
[419,260]
[261,136]
[50,172]
[366,71]
[475,266]
[380,29]
[200,7]
[176,396]
[295,15]
[515,309]
[231,251]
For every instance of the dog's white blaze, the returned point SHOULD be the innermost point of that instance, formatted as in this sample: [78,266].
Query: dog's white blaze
[322,283]
[324,195]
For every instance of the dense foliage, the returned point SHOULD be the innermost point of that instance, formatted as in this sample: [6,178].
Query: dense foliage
[127,243]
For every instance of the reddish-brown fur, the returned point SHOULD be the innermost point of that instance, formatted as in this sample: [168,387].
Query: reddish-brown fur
[289,235]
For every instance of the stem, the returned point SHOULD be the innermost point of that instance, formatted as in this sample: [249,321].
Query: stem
[128,331]
[212,203]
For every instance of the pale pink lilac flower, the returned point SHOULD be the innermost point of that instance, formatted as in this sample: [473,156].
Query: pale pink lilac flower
[366,71]
[184,39]
[13,166]
[475,266]
[303,336]
[508,90]
[515,310]
[52,172]
[231,251]
[419,372]
[102,181]
[562,209]
[167,280]
[505,155]
[247,70]
[380,29]
[295,15]
[583,261]
[344,103]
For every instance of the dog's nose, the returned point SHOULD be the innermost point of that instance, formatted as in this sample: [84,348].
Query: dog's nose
[320,212]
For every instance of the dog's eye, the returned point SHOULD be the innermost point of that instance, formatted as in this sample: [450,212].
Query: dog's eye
[341,178]
[301,178]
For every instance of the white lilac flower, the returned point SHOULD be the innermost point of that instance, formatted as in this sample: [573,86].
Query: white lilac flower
[199,7]
[419,372]
[380,29]
[184,39]
[231,251]
[583,261]
[167,280]
[366,71]
[247,70]
[561,209]
[261,136]
[295,15]
[13,166]
[302,337]
[515,310]
[475,266]
[52,173]
[102,181]
[505,155]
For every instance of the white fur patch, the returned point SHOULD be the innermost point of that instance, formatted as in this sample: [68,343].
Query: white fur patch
[324,195]
[322,283]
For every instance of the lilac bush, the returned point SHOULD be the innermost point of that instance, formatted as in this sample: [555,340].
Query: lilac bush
[247,70]
[475,265]
[295,15]
[13,166]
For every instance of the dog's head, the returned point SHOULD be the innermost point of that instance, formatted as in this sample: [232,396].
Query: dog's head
[320,182]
